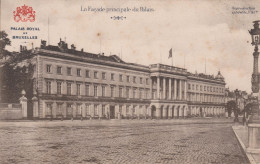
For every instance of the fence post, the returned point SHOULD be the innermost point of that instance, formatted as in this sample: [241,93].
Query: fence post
[23,102]
[35,107]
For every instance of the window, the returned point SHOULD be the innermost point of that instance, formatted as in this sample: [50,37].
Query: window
[69,71]
[59,109]
[200,88]
[127,93]
[112,91]
[128,79]
[87,110]
[95,110]
[134,79]
[120,92]
[78,89]
[134,110]
[204,88]
[120,109]
[140,93]
[68,88]
[87,74]
[121,77]
[141,80]
[146,93]
[134,93]
[48,68]
[188,86]
[58,70]
[127,109]
[95,74]
[103,109]
[147,81]
[103,91]
[87,89]
[95,90]
[112,76]
[48,86]
[103,75]
[192,86]
[78,72]
[197,87]
[49,109]
[58,88]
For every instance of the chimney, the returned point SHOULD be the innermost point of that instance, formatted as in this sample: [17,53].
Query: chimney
[43,43]
[21,48]
[82,50]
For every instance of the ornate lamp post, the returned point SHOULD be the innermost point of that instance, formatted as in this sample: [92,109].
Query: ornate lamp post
[254,121]
[255,34]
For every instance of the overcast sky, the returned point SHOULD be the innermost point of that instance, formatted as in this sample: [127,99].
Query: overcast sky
[198,31]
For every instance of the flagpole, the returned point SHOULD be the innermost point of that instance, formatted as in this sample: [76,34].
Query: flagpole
[172,61]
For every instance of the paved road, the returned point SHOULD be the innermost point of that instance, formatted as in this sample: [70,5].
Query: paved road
[115,141]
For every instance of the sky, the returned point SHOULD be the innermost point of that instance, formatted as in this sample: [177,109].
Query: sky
[206,36]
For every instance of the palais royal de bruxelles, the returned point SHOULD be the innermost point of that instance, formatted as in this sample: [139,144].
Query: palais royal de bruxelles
[68,83]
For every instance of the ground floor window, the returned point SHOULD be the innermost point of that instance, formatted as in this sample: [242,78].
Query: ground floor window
[103,109]
[95,109]
[87,110]
[48,109]
[59,109]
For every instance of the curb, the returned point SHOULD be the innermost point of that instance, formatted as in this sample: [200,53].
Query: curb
[249,155]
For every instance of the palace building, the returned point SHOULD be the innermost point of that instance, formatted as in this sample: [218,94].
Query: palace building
[69,83]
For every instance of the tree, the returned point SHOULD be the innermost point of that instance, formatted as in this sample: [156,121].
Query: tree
[4,41]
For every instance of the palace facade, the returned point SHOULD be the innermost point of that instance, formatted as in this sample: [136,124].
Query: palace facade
[69,83]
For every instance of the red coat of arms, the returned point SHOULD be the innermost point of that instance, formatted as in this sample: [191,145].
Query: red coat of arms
[24,14]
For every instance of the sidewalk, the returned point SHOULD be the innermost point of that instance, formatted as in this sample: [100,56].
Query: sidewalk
[241,133]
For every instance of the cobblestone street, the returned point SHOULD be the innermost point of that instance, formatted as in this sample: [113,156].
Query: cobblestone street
[120,141]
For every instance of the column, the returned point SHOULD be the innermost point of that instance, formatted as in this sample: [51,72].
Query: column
[175,89]
[180,91]
[151,88]
[170,112]
[158,87]
[158,113]
[175,112]
[170,89]
[164,88]
[185,112]
[35,107]
[181,112]
[185,90]
[164,112]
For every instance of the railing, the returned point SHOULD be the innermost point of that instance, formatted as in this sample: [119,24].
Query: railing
[168,68]
[6,105]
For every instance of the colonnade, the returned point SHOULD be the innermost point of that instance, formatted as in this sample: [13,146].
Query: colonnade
[170,88]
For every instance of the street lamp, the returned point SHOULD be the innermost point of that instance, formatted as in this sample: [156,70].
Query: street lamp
[236,110]
[255,35]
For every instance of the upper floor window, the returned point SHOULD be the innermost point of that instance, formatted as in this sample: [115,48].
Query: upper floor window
[48,68]
[58,88]
[69,71]
[141,80]
[103,75]
[112,91]
[204,88]
[147,81]
[200,88]
[78,89]
[87,89]
[120,92]
[127,92]
[95,74]
[78,72]
[95,90]
[128,78]
[134,79]
[188,86]
[59,70]
[87,73]
[48,86]
[68,88]
[103,91]
[112,76]
[121,77]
